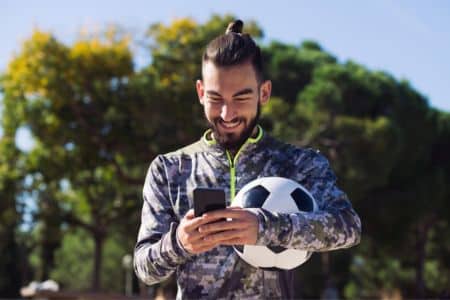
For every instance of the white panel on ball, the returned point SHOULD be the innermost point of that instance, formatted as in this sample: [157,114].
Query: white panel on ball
[275,194]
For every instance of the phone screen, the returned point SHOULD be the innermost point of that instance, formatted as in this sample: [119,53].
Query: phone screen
[208,199]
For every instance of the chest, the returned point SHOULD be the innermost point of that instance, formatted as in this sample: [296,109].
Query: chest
[230,177]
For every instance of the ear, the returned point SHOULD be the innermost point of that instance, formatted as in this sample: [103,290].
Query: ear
[200,90]
[264,91]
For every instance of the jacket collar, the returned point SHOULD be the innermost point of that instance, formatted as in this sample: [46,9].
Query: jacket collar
[209,140]
[212,147]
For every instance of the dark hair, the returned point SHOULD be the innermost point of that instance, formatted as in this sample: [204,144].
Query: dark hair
[234,48]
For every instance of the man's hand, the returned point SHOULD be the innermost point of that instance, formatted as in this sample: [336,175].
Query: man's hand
[189,235]
[241,227]
[201,234]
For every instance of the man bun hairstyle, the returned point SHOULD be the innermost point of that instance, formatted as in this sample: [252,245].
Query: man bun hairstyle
[235,27]
[234,48]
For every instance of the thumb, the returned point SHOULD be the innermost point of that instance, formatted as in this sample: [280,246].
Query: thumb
[190,214]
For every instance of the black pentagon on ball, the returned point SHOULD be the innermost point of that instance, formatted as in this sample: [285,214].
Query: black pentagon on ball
[276,249]
[239,248]
[255,197]
[303,200]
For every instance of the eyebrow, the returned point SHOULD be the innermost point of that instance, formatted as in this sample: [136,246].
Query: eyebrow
[240,93]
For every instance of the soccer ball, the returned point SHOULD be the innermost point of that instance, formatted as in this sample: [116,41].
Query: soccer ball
[281,195]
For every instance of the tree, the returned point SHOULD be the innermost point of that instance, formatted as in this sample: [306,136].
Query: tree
[65,96]
[12,273]
[382,139]
[98,122]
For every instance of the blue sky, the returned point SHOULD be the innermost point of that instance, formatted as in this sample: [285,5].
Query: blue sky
[410,39]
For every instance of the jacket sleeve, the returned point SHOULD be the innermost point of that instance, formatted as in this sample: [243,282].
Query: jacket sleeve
[334,225]
[157,252]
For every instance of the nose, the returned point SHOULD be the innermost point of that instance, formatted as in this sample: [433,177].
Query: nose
[228,112]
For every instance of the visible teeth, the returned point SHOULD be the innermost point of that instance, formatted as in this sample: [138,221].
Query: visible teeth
[230,125]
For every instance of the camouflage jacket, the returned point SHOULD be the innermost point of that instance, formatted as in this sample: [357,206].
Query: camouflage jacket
[220,273]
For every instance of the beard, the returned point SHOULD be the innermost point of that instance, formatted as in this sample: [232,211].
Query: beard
[234,141]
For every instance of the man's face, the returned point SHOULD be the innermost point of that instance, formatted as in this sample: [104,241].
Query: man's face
[231,98]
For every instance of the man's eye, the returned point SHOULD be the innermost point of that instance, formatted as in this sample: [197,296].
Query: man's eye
[241,99]
[214,100]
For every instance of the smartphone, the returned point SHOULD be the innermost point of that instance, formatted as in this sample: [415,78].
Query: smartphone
[208,199]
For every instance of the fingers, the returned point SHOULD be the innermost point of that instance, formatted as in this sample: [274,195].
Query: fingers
[191,236]
[221,226]
[235,207]
[229,213]
[197,230]
[200,234]
[223,236]
[194,223]
[232,237]
[193,240]
[190,214]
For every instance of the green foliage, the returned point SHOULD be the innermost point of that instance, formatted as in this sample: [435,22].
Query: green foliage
[387,148]
[377,275]
[74,262]
[97,123]
[73,99]
[290,68]
[10,186]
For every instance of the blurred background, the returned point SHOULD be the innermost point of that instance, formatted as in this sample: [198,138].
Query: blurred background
[91,92]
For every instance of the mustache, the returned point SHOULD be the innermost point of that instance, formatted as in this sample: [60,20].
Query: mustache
[237,119]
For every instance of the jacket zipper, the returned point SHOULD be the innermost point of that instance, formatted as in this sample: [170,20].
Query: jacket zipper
[232,163]
[232,177]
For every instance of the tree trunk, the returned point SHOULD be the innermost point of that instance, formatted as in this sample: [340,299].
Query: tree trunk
[50,243]
[99,239]
[325,258]
[420,261]
[48,258]
[329,290]
[423,228]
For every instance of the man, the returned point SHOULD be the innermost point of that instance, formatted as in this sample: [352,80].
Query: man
[232,153]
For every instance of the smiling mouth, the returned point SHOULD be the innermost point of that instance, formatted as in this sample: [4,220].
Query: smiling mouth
[230,125]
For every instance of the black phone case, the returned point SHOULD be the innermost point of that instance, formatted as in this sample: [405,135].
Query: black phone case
[208,199]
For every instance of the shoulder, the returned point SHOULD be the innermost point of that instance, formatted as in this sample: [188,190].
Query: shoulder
[187,153]
[177,161]
[189,150]
[296,153]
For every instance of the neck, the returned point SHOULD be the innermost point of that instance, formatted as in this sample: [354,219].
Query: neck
[234,151]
